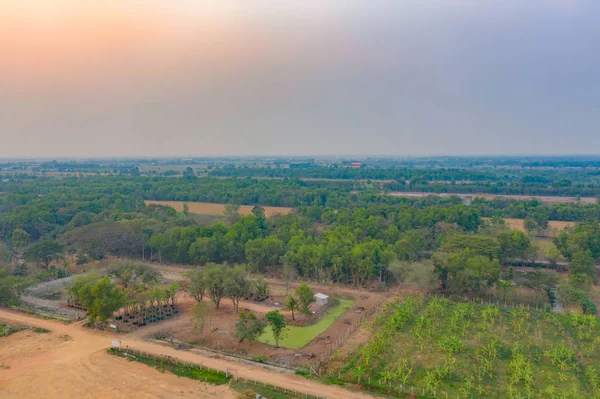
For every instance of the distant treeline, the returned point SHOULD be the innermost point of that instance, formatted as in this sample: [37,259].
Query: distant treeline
[46,206]
[540,182]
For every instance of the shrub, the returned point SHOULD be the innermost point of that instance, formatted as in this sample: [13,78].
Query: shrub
[588,306]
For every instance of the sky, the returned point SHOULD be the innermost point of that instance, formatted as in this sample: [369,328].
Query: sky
[90,78]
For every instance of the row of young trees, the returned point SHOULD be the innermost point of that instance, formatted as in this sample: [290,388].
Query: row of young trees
[136,294]
[217,282]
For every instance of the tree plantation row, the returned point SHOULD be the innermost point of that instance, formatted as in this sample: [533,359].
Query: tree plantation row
[137,297]
[466,350]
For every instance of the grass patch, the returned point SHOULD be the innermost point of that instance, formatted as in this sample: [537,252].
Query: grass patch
[182,370]
[6,330]
[544,247]
[299,337]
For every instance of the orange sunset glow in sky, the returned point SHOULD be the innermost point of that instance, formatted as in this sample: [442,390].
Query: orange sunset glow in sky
[91,77]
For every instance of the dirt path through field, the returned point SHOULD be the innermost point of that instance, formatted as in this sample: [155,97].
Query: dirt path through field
[77,366]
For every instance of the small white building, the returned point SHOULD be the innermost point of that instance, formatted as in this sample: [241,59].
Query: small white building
[321,299]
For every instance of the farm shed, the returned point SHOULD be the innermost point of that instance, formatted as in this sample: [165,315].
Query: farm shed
[321,299]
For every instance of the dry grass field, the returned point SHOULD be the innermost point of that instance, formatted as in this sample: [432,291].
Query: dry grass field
[208,208]
[554,226]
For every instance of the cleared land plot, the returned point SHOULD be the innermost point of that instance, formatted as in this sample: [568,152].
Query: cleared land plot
[64,365]
[299,337]
[554,226]
[469,197]
[209,208]
[219,334]
[77,365]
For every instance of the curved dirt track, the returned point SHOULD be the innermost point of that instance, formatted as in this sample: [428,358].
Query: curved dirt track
[77,366]
[66,364]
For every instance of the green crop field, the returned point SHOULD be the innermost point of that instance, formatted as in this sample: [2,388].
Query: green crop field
[299,337]
[467,350]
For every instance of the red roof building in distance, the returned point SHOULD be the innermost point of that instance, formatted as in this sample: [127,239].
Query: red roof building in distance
[356,165]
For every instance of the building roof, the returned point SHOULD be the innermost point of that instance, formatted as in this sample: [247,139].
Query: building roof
[321,296]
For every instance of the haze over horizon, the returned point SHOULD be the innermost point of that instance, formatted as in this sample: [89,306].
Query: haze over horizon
[208,78]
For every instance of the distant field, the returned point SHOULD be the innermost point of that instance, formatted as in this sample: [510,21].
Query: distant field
[208,208]
[469,197]
[554,227]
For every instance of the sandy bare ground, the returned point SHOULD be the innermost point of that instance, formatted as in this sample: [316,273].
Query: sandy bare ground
[208,208]
[58,365]
[71,362]
[469,197]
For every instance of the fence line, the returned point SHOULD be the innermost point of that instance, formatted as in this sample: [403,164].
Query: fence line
[229,373]
[415,391]
[489,302]
[353,327]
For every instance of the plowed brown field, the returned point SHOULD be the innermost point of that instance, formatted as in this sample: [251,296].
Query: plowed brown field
[208,208]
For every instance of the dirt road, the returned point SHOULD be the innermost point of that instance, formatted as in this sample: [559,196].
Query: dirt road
[467,198]
[76,365]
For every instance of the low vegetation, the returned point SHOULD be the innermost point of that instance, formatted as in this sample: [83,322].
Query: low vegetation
[6,329]
[470,350]
[162,364]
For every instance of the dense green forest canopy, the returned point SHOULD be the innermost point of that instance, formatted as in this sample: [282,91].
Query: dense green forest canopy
[342,231]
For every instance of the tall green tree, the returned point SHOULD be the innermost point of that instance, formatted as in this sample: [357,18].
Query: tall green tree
[232,213]
[306,297]
[19,238]
[582,269]
[515,245]
[5,254]
[262,252]
[278,325]
[215,284]
[158,243]
[465,271]
[293,305]
[203,250]
[480,245]
[11,288]
[101,299]
[470,273]
[44,252]
[200,316]
[198,284]
[249,327]
[236,285]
